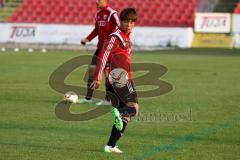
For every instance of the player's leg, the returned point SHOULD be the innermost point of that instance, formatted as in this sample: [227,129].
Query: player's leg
[125,113]
[115,133]
[91,71]
[114,137]
[122,115]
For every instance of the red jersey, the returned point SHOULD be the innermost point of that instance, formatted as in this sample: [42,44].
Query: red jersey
[116,52]
[106,22]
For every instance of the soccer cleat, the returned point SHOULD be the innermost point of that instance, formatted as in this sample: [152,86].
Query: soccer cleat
[85,101]
[104,103]
[117,119]
[109,149]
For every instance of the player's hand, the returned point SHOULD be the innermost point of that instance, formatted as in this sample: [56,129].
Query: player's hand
[95,84]
[84,41]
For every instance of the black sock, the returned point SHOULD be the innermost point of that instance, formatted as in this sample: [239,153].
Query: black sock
[116,134]
[89,90]
[89,94]
[127,111]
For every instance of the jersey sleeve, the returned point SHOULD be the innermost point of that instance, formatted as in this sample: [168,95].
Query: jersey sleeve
[103,57]
[115,20]
[94,33]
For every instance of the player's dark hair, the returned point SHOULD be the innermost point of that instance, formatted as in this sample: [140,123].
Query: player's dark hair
[128,14]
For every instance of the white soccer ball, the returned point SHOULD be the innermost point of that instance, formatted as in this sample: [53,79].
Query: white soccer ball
[118,77]
[16,49]
[30,50]
[71,97]
[44,50]
[3,49]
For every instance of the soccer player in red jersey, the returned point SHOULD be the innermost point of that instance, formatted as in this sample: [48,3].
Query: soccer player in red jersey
[106,22]
[117,52]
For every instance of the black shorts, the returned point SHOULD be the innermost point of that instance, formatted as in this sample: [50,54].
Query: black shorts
[121,96]
[95,58]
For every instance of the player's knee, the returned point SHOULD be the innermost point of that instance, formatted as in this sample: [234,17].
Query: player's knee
[135,106]
[127,119]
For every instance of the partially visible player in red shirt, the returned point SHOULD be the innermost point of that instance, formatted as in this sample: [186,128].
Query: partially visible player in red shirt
[106,22]
[117,53]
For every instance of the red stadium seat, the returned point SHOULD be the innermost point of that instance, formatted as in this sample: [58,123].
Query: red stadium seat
[157,12]
[237,9]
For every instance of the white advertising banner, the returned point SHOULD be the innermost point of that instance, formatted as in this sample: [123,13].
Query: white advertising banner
[72,34]
[213,22]
[237,40]
[42,33]
[162,37]
[236,23]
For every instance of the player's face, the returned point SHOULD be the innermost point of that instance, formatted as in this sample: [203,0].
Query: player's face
[101,3]
[127,26]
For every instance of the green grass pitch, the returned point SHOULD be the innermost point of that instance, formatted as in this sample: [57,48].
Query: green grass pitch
[206,88]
